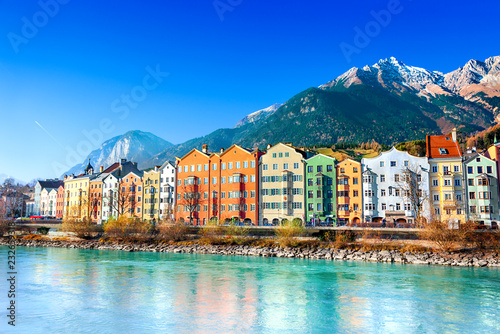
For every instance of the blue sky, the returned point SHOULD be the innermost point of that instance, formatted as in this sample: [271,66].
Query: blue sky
[224,59]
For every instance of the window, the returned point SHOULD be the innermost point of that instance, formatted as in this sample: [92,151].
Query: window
[280,154]
[355,193]
[447,197]
[370,206]
[295,165]
[310,194]
[252,178]
[223,179]
[456,168]
[310,207]
[318,194]
[329,181]
[309,182]
[229,165]
[252,164]
[436,197]
[458,197]
[472,209]
[205,180]
[264,167]
[369,193]
[435,183]
[343,181]
[459,211]
[480,169]
[287,154]
[367,179]
[252,207]
[329,168]
[252,194]
[382,163]
[470,170]
[329,194]
[382,192]
[319,207]
[237,163]
[393,164]
[274,155]
[489,169]
[214,180]
[382,178]
[396,177]
[457,182]
[406,163]
[472,195]
[447,182]
[384,206]
[285,166]
[434,168]
[471,182]
[275,166]
[309,169]
[354,169]
[319,168]
[355,180]
[436,211]
[398,206]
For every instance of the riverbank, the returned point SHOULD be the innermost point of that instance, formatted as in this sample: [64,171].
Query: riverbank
[463,259]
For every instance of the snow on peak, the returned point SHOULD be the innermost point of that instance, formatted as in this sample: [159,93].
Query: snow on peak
[259,114]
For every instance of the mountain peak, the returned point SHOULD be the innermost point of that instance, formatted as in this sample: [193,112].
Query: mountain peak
[259,114]
[135,145]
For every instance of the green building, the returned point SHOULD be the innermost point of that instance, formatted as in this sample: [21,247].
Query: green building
[482,190]
[321,190]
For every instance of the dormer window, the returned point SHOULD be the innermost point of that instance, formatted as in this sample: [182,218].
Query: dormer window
[443,151]
[447,138]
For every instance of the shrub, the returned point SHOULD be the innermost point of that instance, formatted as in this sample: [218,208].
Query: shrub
[170,230]
[84,229]
[128,229]
[343,239]
[443,237]
[287,234]
[4,227]
[212,233]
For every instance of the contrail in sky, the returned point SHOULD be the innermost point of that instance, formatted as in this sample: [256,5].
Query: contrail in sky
[47,132]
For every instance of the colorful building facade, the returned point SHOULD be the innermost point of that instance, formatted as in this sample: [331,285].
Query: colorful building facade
[321,190]
[349,192]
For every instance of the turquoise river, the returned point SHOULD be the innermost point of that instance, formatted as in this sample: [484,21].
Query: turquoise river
[89,291]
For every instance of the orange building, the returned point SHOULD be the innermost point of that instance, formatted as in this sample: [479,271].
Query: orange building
[220,186]
[60,202]
[192,191]
[349,195]
[131,191]
[238,185]
[95,192]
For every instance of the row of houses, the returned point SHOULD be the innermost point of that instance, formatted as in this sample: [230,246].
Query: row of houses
[285,182]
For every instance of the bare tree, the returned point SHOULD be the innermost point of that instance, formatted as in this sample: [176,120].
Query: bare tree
[120,200]
[191,199]
[412,187]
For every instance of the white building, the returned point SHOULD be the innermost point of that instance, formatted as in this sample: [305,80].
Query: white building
[168,180]
[109,197]
[394,184]
[48,200]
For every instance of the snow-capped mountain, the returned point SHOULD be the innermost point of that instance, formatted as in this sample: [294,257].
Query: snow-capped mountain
[392,73]
[134,146]
[258,115]
[4,177]
[389,73]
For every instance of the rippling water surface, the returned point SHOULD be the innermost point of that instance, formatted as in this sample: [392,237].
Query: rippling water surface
[89,291]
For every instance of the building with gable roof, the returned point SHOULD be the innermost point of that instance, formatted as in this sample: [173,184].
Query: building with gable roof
[282,184]
[395,188]
[446,178]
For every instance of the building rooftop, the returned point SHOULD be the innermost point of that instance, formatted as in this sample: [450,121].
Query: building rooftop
[442,146]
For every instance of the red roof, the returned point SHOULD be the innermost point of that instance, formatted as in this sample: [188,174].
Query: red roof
[442,147]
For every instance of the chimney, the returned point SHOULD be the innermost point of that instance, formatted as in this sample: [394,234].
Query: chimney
[101,169]
[65,177]
[268,146]
[123,161]
[454,134]
[222,150]
[256,148]
[473,149]
[204,148]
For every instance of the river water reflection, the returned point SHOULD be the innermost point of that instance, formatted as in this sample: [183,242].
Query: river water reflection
[73,291]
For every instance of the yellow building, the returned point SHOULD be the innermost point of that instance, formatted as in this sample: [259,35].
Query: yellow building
[151,194]
[446,178]
[77,195]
